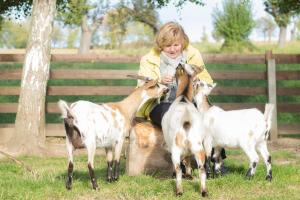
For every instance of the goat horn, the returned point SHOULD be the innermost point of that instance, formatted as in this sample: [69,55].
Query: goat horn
[144,78]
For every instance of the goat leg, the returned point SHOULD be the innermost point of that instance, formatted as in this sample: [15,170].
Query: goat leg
[116,170]
[109,171]
[70,176]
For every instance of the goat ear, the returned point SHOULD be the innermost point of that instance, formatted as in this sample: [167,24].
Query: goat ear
[196,69]
[134,76]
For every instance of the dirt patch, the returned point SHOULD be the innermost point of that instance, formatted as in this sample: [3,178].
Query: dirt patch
[289,144]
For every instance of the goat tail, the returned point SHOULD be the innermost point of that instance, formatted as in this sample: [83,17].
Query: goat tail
[268,114]
[64,109]
[186,120]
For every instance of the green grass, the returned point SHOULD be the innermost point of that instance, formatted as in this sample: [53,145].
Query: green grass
[49,183]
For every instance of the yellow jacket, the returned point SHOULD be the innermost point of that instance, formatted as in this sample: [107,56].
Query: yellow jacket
[149,67]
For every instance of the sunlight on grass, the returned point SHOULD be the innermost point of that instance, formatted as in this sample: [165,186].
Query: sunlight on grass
[16,183]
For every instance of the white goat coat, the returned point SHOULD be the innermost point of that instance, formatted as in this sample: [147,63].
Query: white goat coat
[98,123]
[172,126]
[236,128]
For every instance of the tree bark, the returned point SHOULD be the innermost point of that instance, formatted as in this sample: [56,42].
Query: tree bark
[29,135]
[282,36]
[86,36]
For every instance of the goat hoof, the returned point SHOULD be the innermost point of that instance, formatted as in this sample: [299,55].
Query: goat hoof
[95,186]
[115,178]
[178,194]
[109,179]
[69,187]
[269,177]
[204,193]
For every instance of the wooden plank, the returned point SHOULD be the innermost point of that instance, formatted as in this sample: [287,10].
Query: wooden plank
[288,75]
[90,90]
[125,90]
[244,91]
[8,90]
[271,66]
[13,74]
[92,57]
[18,57]
[233,59]
[288,91]
[237,75]
[287,58]
[91,74]
[208,58]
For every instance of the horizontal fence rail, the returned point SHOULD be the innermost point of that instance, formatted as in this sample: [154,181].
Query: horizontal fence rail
[95,74]
[209,58]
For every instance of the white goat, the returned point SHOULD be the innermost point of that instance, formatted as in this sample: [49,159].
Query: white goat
[183,130]
[247,129]
[91,125]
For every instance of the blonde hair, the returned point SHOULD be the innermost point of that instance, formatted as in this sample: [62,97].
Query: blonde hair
[169,33]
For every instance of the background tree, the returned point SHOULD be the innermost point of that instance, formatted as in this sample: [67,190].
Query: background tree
[13,35]
[234,23]
[115,23]
[282,11]
[29,136]
[73,35]
[267,26]
[143,11]
[86,14]
[204,37]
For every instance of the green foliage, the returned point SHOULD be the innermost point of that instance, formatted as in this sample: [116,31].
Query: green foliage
[177,3]
[116,22]
[72,37]
[281,10]
[144,12]
[73,12]
[13,35]
[284,7]
[234,24]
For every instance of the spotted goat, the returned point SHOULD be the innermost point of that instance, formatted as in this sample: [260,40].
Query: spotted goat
[92,125]
[183,131]
[247,129]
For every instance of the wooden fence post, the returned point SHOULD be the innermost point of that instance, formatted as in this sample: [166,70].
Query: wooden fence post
[272,95]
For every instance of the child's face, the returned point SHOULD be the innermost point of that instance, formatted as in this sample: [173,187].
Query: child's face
[173,50]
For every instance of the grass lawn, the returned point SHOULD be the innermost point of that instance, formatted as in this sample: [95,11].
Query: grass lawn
[17,183]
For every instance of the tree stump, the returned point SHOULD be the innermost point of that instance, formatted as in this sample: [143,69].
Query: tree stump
[146,152]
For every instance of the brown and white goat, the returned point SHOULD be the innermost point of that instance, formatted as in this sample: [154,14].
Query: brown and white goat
[183,131]
[91,125]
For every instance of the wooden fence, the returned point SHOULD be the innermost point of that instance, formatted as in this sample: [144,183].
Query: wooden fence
[270,74]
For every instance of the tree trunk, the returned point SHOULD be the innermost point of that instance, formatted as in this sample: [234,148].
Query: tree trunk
[29,135]
[282,36]
[86,37]
[270,35]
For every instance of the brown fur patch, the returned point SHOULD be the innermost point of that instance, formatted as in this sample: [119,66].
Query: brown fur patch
[185,84]
[201,156]
[145,133]
[179,140]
